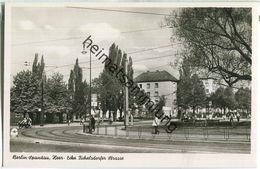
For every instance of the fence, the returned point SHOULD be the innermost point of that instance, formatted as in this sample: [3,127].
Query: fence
[238,133]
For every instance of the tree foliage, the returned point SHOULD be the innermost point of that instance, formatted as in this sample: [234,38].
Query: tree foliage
[110,90]
[243,98]
[216,39]
[38,67]
[25,96]
[224,98]
[78,91]
[56,95]
[190,89]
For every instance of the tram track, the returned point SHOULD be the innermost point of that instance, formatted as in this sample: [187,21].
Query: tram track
[71,135]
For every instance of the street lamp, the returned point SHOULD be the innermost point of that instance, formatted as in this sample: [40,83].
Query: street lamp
[41,116]
[42,104]
[85,52]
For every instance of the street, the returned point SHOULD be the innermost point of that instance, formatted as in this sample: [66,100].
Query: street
[71,139]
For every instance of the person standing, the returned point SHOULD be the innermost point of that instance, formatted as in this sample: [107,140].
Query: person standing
[155,124]
[231,119]
[238,117]
[81,120]
[93,121]
[68,121]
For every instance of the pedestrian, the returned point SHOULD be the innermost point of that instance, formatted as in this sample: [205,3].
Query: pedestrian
[111,119]
[155,124]
[231,119]
[81,121]
[68,120]
[93,121]
[238,117]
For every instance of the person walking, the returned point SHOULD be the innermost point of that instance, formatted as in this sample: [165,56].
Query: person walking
[155,124]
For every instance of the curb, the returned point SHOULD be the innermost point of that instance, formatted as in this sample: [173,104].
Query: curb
[174,140]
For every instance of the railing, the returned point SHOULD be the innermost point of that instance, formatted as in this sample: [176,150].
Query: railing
[183,133]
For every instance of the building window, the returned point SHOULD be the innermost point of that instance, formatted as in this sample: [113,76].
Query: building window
[156,85]
[140,85]
[156,94]
[148,85]
[148,94]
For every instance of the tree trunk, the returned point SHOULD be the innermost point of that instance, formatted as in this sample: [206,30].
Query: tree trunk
[109,114]
[114,115]
[120,113]
[193,111]
[61,117]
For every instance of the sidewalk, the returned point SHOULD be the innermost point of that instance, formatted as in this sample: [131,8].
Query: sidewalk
[66,124]
[53,125]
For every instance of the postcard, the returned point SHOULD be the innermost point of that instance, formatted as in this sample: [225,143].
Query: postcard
[130,84]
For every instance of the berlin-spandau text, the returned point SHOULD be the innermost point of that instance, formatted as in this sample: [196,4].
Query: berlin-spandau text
[119,73]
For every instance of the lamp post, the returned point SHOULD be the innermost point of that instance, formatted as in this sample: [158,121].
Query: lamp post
[42,104]
[85,52]
[40,112]
[90,84]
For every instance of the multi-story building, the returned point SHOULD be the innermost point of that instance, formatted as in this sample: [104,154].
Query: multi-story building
[159,83]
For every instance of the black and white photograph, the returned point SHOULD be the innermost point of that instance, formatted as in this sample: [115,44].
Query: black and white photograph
[128,80]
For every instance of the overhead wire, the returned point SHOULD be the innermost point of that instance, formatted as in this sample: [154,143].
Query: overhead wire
[79,37]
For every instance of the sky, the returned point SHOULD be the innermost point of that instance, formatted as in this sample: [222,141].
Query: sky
[57,33]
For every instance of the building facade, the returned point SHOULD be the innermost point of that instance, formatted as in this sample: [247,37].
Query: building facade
[157,84]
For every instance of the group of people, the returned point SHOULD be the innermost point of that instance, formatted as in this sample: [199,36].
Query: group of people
[232,116]
[91,121]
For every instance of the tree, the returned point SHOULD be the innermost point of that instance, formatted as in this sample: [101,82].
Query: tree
[190,93]
[229,98]
[110,88]
[25,97]
[27,90]
[243,99]
[38,67]
[197,93]
[57,98]
[183,86]
[190,89]
[224,98]
[218,98]
[216,39]
[78,91]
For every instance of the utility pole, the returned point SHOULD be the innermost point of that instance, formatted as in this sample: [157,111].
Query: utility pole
[42,97]
[126,99]
[90,83]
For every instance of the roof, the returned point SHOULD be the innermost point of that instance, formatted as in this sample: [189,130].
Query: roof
[157,76]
